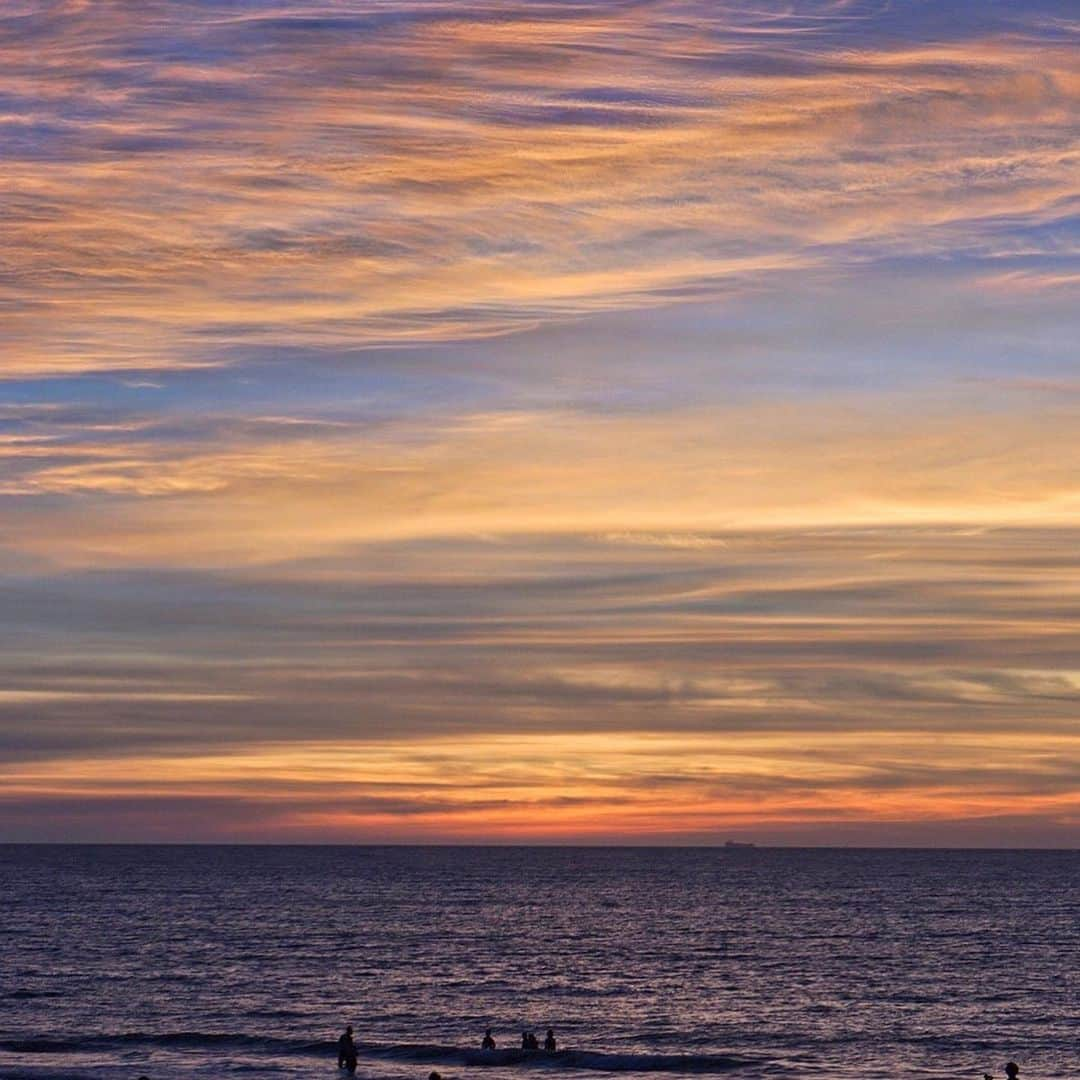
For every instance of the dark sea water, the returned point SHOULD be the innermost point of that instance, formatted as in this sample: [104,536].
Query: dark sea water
[187,962]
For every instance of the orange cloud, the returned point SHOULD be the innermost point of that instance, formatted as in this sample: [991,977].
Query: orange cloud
[565,785]
[716,470]
[469,173]
[747,500]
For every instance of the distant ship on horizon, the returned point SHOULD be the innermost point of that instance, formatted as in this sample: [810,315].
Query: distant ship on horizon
[738,844]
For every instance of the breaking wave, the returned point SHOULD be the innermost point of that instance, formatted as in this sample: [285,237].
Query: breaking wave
[427,1054]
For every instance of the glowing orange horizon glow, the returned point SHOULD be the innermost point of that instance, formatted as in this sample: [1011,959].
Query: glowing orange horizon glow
[566,785]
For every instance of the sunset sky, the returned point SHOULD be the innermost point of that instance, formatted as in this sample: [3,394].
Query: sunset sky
[540,421]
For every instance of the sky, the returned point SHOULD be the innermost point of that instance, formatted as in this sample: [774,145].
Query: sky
[540,422]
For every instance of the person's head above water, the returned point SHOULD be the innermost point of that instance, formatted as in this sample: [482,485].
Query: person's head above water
[1012,1070]
[348,1029]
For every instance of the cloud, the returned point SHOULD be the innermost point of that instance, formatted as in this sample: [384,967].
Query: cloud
[581,685]
[182,182]
[478,421]
[237,491]
[657,783]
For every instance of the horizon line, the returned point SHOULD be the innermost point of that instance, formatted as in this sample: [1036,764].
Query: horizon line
[723,846]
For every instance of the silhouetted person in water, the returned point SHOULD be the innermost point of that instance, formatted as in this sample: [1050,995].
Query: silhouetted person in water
[1012,1070]
[346,1051]
[489,1042]
[549,1042]
[533,1044]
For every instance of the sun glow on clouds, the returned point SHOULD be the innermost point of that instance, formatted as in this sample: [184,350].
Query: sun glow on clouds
[180,181]
[588,786]
[844,681]
[475,420]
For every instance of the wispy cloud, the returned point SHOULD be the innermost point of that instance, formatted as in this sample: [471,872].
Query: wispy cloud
[258,491]
[180,181]
[579,786]
[586,687]
[660,414]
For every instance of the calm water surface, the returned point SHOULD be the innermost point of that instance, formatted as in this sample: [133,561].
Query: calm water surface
[188,962]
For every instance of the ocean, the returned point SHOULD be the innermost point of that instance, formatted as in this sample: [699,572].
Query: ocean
[195,962]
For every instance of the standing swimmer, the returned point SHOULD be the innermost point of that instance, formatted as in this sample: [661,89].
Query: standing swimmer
[489,1042]
[346,1051]
[549,1042]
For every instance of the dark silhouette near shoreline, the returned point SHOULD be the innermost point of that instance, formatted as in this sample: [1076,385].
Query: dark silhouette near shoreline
[489,1042]
[549,1042]
[346,1051]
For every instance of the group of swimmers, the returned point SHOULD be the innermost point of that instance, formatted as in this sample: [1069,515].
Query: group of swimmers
[347,1056]
[528,1041]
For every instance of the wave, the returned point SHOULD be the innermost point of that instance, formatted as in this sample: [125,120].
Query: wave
[604,1062]
[195,1040]
[35,1074]
[562,1059]
[419,1053]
